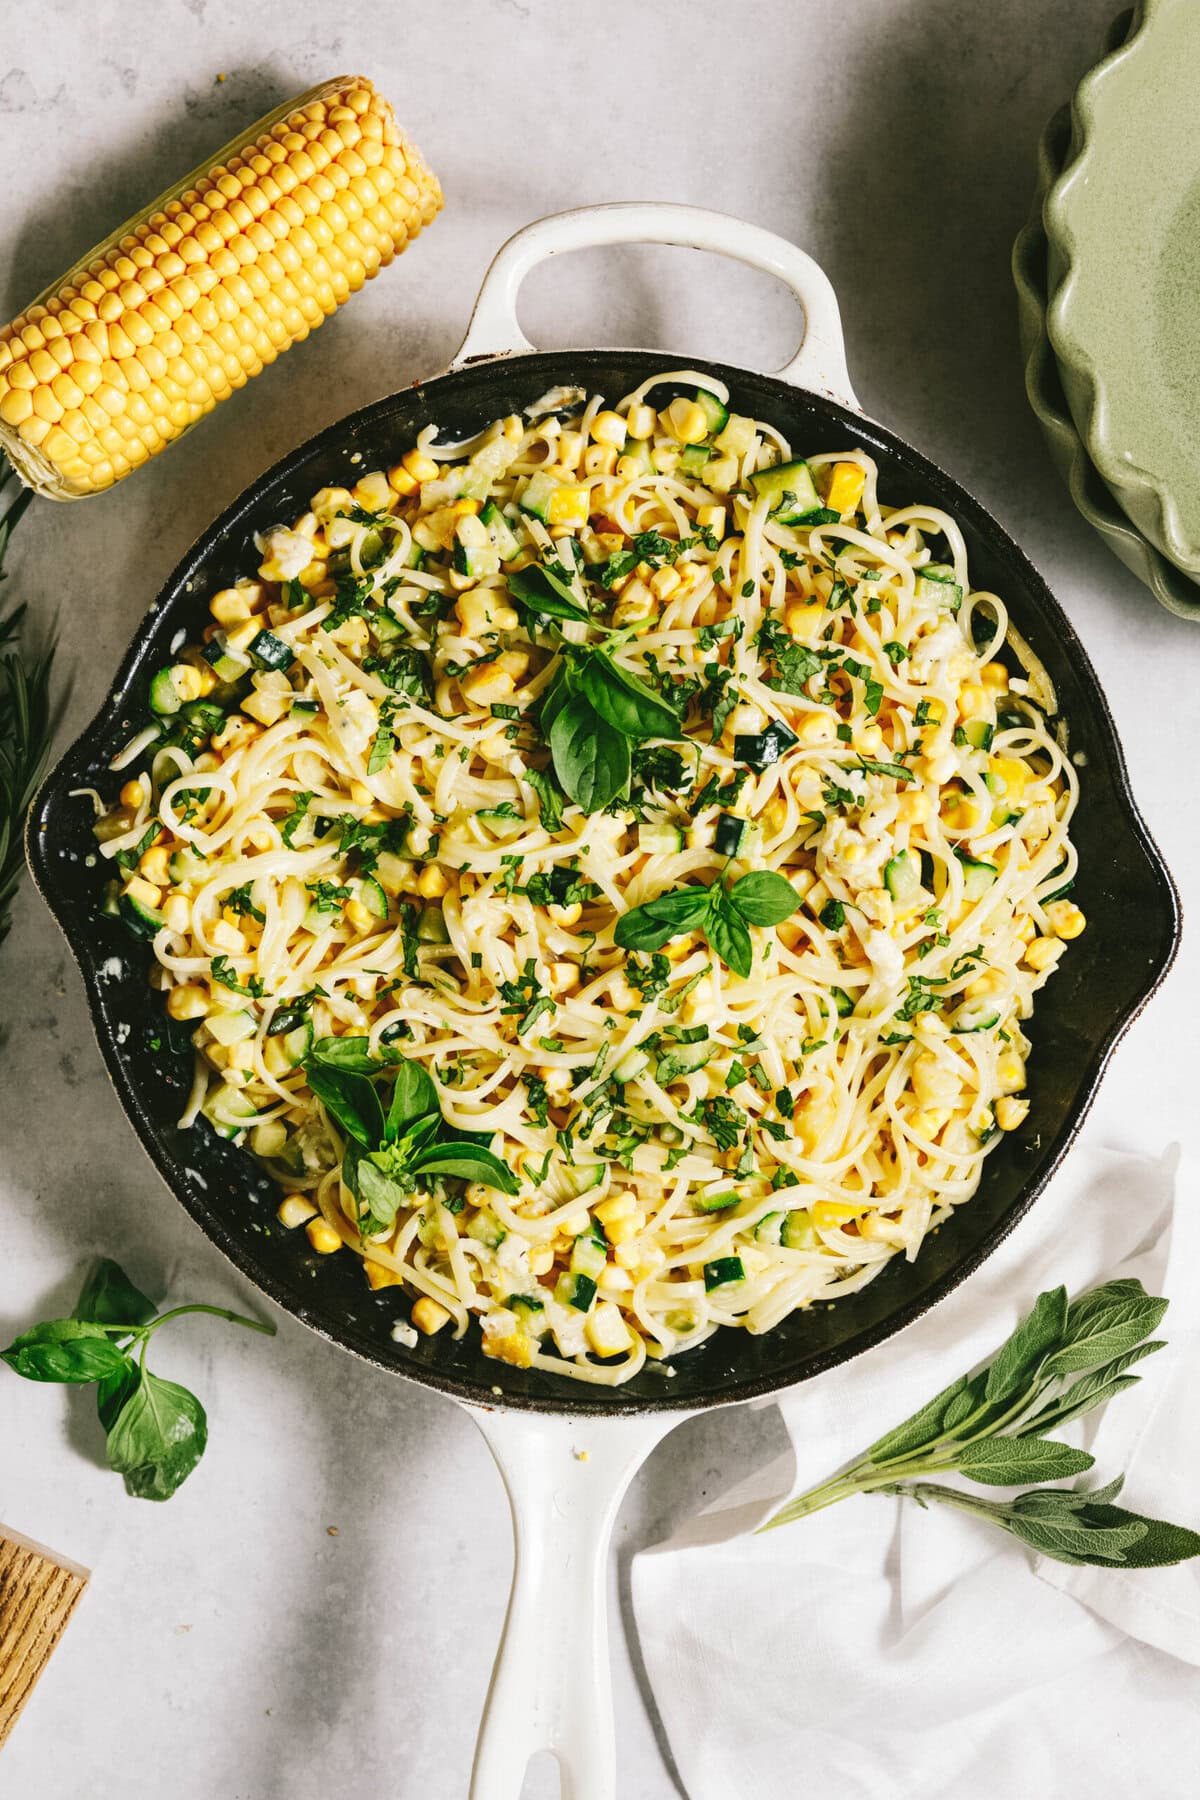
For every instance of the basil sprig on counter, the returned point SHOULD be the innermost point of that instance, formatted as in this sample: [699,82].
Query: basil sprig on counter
[157,1430]
[1063,1360]
[593,712]
[723,912]
[388,1154]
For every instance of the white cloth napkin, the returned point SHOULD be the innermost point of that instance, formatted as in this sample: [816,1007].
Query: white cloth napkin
[876,1651]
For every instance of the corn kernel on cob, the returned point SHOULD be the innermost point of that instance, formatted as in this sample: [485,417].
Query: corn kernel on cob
[236,262]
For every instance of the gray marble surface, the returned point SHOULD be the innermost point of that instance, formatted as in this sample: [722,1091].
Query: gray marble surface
[232,1646]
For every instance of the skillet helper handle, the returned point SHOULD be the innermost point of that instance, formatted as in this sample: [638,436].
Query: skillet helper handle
[820,361]
[551,1687]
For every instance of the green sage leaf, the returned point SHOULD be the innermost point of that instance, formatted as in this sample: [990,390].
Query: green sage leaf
[1072,1540]
[157,1437]
[1160,1544]
[1005,1461]
[591,758]
[110,1298]
[1037,1334]
[72,1350]
[1104,1326]
[919,1429]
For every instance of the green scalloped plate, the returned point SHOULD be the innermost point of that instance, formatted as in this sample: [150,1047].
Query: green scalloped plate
[1044,389]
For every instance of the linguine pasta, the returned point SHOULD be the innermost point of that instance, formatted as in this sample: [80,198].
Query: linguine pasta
[606,869]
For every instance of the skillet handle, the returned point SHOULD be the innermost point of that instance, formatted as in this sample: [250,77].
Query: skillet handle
[820,361]
[551,1687]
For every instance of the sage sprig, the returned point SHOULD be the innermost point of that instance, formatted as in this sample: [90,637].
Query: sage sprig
[1062,1361]
[387,1154]
[156,1430]
[723,911]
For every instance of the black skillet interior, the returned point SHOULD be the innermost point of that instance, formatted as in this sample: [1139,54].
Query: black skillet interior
[1108,976]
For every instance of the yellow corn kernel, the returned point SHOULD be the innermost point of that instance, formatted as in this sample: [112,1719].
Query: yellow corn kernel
[775,814]
[1013,775]
[189,1001]
[622,996]
[463,509]
[925,1124]
[295,1210]
[228,937]
[566,915]
[991,982]
[144,892]
[514,663]
[568,507]
[1010,1072]
[804,619]
[827,1215]
[606,1330]
[636,605]
[380,1277]
[186,681]
[418,465]
[177,911]
[845,487]
[323,1238]
[133,794]
[686,421]
[609,428]
[486,685]
[963,812]
[268,1138]
[664,582]
[358,915]
[621,1205]
[428,1316]
[432,883]
[914,808]
[870,739]
[712,518]
[994,675]
[372,493]
[1011,1112]
[541,1261]
[817,728]
[564,976]
[974,701]
[153,866]
[1042,954]
[1063,916]
[401,482]
[640,421]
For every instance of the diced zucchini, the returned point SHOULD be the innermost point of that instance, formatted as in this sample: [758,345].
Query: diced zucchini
[632,1064]
[903,878]
[637,451]
[416,556]
[203,717]
[682,1059]
[588,1255]
[737,436]
[502,824]
[723,1272]
[270,652]
[164,697]
[760,749]
[110,905]
[977,877]
[226,664]
[844,1002]
[536,498]
[936,584]
[530,1308]
[979,734]
[374,899]
[186,865]
[715,411]
[476,560]
[499,531]
[797,1231]
[228,1110]
[720,1201]
[768,1228]
[143,921]
[432,927]
[486,1229]
[975,1015]
[730,834]
[576,1290]
[568,1181]
[791,490]
[659,837]
[231,1027]
[694,458]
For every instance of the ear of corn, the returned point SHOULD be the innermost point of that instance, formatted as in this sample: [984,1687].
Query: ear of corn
[236,262]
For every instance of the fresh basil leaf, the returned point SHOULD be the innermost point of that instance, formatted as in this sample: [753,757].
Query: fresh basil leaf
[1037,1334]
[1005,1461]
[545,592]
[110,1298]
[114,1391]
[560,690]
[353,1053]
[672,914]
[351,1099]
[413,1097]
[71,1350]
[729,935]
[157,1438]
[625,701]
[1105,1329]
[591,759]
[921,1428]
[380,1194]
[764,898]
[550,801]
[351,1158]
[469,1162]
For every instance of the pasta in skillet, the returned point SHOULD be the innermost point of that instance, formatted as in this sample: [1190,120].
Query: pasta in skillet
[605,869]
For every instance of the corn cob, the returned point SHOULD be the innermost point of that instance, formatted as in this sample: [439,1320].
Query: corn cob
[184,303]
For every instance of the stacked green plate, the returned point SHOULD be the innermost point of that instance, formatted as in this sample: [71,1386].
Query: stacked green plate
[1108,326]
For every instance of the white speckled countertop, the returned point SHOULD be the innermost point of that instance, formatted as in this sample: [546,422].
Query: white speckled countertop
[314,1615]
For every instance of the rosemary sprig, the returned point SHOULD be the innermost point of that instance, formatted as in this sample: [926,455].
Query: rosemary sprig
[1063,1360]
[26,722]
